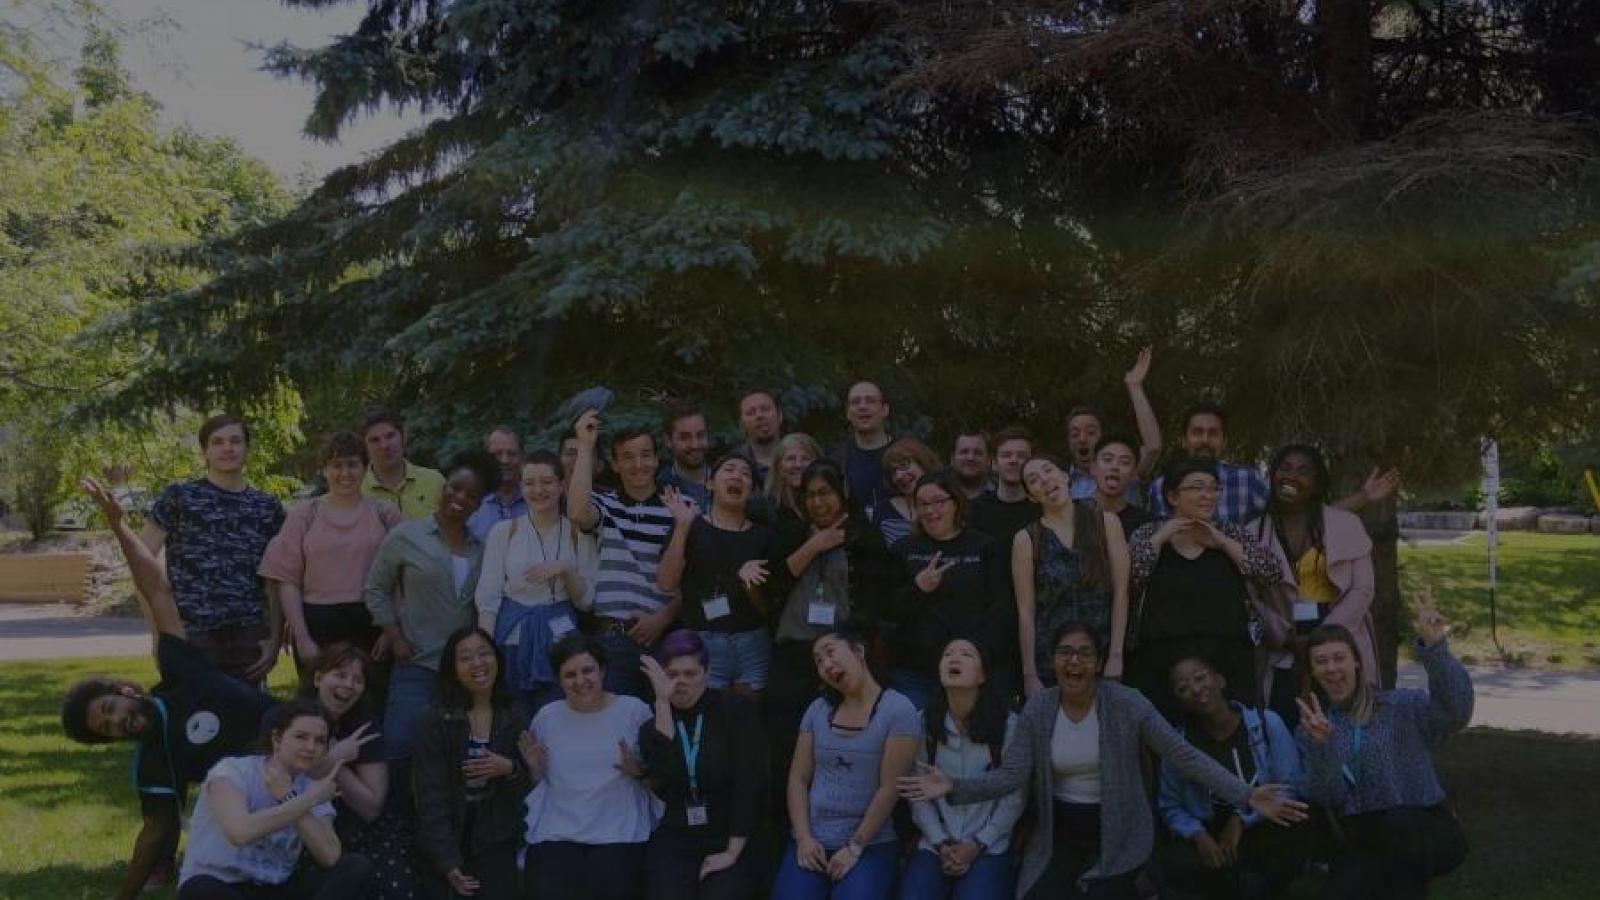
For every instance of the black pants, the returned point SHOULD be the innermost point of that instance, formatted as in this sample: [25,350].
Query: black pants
[792,684]
[673,873]
[494,866]
[1395,853]
[563,870]
[1270,856]
[346,878]
[1075,848]
[345,623]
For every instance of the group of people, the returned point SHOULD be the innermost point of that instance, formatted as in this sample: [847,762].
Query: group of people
[870,672]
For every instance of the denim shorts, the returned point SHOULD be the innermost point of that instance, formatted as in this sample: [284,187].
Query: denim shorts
[740,657]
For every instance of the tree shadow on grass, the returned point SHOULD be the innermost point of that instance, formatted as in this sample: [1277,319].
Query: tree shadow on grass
[67,882]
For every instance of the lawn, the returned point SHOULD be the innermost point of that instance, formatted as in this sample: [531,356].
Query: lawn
[1548,598]
[68,815]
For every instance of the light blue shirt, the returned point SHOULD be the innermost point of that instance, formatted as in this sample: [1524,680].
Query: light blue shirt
[492,511]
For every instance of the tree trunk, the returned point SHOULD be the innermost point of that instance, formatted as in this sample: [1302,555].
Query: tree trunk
[1345,64]
[1383,525]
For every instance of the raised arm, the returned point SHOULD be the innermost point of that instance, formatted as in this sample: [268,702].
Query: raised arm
[669,572]
[149,575]
[580,484]
[1450,695]
[1117,552]
[1378,487]
[1144,415]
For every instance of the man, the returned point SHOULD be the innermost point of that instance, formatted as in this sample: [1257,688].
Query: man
[633,525]
[971,463]
[761,423]
[1114,465]
[1086,427]
[1007,510]
[390,476]
[506,501]
[192,718]
[215,530]
[860,456]
[688,438]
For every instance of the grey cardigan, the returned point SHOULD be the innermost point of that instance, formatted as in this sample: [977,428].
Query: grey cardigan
[1127,828]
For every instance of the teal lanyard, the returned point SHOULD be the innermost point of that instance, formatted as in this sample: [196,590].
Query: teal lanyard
[1357,739]
[691,753]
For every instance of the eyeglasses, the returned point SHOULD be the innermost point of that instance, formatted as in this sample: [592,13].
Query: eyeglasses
[1079,653]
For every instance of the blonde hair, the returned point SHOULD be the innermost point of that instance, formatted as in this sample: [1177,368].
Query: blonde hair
[777,488]
[1363,700]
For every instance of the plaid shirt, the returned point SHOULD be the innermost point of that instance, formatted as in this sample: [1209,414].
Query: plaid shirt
[1243,497]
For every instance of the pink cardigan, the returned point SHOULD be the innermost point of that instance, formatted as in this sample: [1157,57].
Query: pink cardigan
[1349,554]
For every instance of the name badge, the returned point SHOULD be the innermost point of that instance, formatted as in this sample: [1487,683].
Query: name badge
[820,612]
[1305,612]
[561,626]
[716,606]
[696,815]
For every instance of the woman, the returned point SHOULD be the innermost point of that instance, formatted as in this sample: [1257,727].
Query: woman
[719,560]
[1080,745]
[795,453]
[256,813]
[854,742]
[1324,558]
[1367,760]
[589,815]
[1219,851]
[1191,578]
[955,581]
[904,463]
[828,569]
[318,561]
[339,682]
[470,781]
[965,851]
[1069,566]
[705,754]
[531,587]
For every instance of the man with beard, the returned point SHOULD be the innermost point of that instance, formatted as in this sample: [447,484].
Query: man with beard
[193,717]
[1243,489]
[761,423]
[505,501]
[688,439]
[969,459]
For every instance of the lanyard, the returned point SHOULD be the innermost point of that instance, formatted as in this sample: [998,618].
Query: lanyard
[691,753]
[544,554]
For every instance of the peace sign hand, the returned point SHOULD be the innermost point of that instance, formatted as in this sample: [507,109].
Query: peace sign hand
[1431,626]
[1312,719]
[929,579]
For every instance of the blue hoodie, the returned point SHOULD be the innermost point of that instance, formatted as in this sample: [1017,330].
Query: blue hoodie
[1186,805]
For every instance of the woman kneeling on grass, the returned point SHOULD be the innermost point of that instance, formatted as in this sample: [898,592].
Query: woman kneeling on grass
[255,813]
[1367,760]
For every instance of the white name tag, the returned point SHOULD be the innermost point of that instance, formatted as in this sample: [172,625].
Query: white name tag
[561,626]
[716,606]
[1305,612]
[820,612]
[696,815]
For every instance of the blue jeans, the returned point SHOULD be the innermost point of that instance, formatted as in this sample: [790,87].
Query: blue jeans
[872,878]
[740,657]
[622,666]
[990,875]
[918,687]
[411,689]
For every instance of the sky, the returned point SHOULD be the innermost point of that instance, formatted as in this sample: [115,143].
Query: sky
[203,69]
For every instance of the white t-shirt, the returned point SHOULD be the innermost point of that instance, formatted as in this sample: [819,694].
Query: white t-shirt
[269,859]
[583,797]
[1075,758]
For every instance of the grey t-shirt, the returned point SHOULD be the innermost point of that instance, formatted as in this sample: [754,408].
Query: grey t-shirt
[845,773]
[269,859]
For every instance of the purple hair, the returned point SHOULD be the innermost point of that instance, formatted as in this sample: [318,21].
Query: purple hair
[683,642]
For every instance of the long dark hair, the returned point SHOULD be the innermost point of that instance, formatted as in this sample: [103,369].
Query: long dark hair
[1088,533]
[944,480]
[1315,502]
[452,693]
[847,632]
[986,725]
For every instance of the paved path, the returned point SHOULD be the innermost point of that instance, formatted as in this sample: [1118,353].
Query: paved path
[1558,702]
[56,631]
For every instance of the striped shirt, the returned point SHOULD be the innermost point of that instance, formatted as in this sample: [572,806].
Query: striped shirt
[632,536]
[1243,497]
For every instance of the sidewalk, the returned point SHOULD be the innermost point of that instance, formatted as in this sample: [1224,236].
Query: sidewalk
[1557,702]
[56,631]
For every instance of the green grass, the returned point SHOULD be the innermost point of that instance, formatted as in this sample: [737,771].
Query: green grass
[1548,598]
[68,814]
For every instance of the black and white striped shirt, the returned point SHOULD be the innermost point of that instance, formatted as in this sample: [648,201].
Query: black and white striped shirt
[632,535]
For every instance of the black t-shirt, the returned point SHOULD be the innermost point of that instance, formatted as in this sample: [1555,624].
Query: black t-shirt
[1192,598]
[968,602]
[730,772]
[1231,753]
[1001,519]
[712,558]
[203,715]
[864,477]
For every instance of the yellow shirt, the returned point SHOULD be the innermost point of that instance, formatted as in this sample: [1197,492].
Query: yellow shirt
[1311,570]
[417,496]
